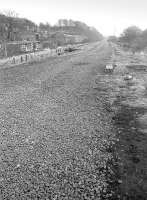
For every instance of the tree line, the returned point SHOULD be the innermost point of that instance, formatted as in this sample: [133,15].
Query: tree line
[12,28]
[132,38]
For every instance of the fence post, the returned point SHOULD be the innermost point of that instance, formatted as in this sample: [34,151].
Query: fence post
[5,49]
[13,60]
[21,59]
[31,56]
[26,57]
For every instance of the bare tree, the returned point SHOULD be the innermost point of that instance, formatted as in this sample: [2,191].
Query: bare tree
[7,27]
[10,25]
[9,13]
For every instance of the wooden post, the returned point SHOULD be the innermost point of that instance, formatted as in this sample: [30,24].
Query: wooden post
[5,49]
[21,59]
[13,61]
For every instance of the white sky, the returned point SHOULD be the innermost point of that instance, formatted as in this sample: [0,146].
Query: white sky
[108,16]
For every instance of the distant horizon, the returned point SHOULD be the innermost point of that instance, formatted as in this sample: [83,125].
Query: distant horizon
[108,17]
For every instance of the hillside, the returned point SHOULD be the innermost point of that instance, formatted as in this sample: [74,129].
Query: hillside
[78,28]
[17,29]
[12,27]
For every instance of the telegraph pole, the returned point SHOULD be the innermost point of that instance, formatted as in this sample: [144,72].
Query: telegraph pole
[4,41]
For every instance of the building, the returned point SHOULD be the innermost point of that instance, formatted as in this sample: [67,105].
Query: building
[17,48]
[71,39]
[65,22]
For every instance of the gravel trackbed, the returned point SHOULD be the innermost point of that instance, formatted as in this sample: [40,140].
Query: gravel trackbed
[55,129]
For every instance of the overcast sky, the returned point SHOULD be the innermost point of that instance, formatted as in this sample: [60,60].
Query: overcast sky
[108,16]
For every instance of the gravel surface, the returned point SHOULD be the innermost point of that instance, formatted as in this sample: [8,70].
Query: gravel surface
[55,129]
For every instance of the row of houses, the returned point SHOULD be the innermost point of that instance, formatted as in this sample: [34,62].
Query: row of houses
[16,48]
[31,44]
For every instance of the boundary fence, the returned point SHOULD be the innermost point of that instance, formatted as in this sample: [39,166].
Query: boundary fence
[35,56]
[27,58]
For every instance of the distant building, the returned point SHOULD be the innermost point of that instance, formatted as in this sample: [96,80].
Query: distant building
[30,46]
[62,22]
[65,22]
[17,48]
[71,39]
[71,23]
[80,38]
